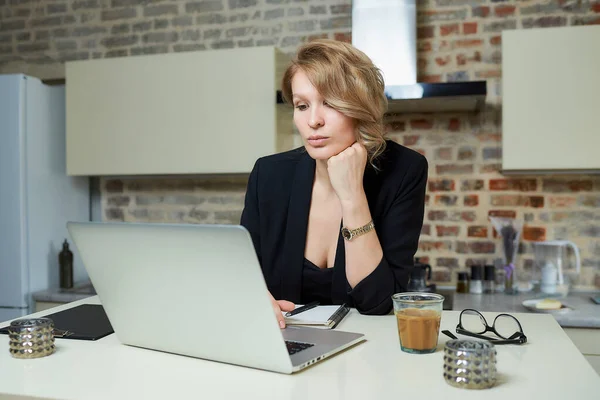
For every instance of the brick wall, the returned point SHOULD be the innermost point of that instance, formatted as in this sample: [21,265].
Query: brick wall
[465,188]
[37,36]
[210,199]
[458,40]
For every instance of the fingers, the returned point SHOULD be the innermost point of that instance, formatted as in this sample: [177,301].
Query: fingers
[278,314]
[280,318]
[282,305]
[359,148]
[285,305]
[278,307]
[347,152]
[277,311]
[355,148]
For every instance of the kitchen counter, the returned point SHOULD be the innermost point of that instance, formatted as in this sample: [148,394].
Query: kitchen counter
[585,313]
[548,367]
[79,291]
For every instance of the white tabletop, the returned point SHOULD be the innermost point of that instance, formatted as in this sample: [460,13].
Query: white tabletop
[549,366]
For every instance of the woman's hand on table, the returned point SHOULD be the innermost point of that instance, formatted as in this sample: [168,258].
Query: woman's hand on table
[278,307]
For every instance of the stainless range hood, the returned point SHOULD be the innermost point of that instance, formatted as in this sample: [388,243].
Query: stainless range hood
[386,30]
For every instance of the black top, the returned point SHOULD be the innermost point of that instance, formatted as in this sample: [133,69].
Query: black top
[316,283]
[276,210]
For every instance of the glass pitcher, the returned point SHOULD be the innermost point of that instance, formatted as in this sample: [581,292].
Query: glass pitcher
[551,263]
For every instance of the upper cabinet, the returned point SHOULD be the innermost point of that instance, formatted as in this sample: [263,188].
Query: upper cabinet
[199,112]
[551,100]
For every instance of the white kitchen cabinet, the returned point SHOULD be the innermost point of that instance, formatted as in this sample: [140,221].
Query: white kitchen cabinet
[587,340]
[550,100]
[45,305]
[594,362]
[196,112]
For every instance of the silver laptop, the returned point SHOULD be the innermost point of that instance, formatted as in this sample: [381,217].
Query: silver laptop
[195,290]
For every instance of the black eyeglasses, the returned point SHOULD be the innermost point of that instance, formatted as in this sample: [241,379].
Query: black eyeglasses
[473,323]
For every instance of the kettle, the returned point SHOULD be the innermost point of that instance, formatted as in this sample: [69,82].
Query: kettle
[417,279]
[553,265]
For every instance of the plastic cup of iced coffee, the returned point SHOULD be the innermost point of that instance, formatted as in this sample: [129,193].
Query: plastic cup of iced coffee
[418,316]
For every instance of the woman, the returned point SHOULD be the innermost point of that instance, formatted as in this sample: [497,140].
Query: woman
[339,219]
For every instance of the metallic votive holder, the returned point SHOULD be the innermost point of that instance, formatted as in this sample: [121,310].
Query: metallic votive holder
[470,364]
[31,338]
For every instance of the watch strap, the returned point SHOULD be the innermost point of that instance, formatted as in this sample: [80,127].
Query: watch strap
[350,234]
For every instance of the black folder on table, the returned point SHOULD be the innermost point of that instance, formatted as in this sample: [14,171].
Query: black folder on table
[84,322]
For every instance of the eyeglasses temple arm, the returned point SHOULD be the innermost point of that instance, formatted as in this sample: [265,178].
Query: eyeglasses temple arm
[449,334]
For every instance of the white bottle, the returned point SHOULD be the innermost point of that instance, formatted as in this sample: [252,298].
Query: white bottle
[549,278]
[476,284]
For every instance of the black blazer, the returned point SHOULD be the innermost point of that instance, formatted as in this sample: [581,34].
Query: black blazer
[276,212]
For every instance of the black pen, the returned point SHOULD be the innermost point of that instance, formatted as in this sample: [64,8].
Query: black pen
[302,309]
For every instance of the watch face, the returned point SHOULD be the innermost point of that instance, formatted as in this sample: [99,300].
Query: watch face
[346,234]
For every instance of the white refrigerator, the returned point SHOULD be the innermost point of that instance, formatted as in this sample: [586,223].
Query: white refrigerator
[37,198]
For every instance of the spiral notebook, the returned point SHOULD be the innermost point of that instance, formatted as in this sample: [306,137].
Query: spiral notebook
[326,317]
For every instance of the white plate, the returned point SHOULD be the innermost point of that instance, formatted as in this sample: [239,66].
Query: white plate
[531,305]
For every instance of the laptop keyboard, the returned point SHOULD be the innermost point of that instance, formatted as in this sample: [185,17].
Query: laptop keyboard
[295,347]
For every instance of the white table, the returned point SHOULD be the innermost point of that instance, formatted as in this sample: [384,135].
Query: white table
[548,367]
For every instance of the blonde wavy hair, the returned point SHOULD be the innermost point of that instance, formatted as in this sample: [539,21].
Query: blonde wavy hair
[349,82]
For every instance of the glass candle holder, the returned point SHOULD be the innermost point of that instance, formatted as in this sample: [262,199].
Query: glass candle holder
[31,338]
[470,364]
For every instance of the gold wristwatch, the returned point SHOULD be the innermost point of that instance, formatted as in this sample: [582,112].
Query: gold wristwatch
[350,234]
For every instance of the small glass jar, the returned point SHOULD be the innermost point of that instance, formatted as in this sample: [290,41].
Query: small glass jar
[499,279]
[418,317]
[462,284]
[476,285]
[489,279]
